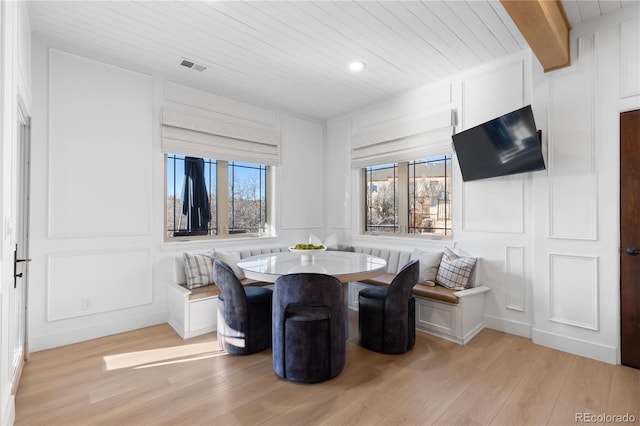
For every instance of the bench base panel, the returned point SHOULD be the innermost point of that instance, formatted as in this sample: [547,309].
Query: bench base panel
[191,317]
[447,321]
[458,323]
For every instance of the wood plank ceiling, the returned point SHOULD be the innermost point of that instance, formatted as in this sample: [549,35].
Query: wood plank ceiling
[293,56]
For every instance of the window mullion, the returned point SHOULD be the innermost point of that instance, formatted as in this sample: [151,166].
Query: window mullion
[403,200]
[364,217]
[268,188]
[174,194]
[222,196]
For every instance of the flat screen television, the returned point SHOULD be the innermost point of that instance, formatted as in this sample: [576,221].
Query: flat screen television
[506,145]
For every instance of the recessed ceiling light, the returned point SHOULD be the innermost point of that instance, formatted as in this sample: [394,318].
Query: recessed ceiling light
[356,66]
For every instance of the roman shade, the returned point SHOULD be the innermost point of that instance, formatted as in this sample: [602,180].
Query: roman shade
[201,133]
[404,139]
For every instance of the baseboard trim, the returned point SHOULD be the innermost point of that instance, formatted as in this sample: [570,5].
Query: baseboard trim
[472,333]
[199,332]
[444,336]
[597,351]
[9,411]
[508,326]
[94,331]
[176,328]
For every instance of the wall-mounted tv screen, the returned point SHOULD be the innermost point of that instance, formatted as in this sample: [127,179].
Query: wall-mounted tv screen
[506,145]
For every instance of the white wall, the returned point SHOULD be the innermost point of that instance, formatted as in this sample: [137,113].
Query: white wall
[100,265]
[548,241]
[577,278]
[531,230]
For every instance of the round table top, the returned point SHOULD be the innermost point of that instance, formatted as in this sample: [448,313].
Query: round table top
[346,266]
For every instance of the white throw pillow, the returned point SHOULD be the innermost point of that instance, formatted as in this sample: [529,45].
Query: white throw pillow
[313,239]
[331,242]
[231,258]
[454,270]
[429,263]
[198,269]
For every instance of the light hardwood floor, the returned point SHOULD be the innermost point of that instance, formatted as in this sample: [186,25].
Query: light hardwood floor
[151,376]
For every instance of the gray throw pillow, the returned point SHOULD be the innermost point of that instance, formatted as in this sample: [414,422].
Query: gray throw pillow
[454,270]
[199,269]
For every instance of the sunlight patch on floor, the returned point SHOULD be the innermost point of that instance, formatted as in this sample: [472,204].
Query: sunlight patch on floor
[178,361]
[163,356]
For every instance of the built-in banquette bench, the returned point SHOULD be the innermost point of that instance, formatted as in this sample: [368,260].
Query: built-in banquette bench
[193,312]
[455,315]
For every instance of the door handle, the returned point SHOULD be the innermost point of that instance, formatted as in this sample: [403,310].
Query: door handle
[15,267]
[632,251]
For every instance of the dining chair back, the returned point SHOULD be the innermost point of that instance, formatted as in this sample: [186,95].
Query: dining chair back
[244,313]
[387,314]
[308,327]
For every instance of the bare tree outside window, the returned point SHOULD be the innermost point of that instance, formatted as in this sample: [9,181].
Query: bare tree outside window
[381,198]
[420,189]
[245,202]
[247,198]
[430,197]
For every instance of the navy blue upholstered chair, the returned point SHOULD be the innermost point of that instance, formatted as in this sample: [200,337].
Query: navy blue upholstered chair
[308,327]
[244,313]
[387,318]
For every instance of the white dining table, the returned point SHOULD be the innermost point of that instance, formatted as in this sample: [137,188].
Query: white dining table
[344,265]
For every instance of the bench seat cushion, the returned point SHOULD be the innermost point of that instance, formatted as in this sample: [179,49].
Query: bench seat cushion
[436,292]
[382,279]
[203,292]
[212,290]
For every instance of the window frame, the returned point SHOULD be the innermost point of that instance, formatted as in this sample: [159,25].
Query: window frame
[222,201]
[403,202]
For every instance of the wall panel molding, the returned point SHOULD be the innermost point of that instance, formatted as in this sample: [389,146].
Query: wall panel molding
[515,288]
[302,181]
[494,205]
[573,290]
[629,58]
[338,174]
[100,149]
[479,102]
[88,282]
[573,196]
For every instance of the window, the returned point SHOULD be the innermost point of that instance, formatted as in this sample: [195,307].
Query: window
[247,201]
[430,196]
[381,198]
[213,198]
[409,198]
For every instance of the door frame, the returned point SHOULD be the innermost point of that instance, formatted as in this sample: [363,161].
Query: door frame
[22,223]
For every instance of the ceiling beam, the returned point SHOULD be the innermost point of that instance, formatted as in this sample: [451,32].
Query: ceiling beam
[545,26]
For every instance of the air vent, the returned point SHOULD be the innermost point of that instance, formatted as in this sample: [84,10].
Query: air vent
[193,65]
